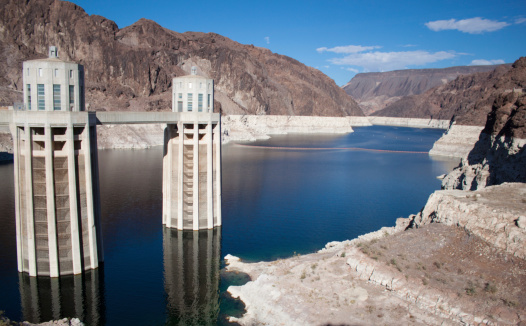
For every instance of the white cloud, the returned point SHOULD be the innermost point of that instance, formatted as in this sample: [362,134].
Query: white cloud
[521,20]
[385,61]
[353,70]
[475,25]
[482,62]
[267,39]
[348,49]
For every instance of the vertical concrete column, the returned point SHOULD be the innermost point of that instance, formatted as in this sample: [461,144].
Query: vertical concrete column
[196,177]
[167,176]
[16,152]
[50,198]
[180,179]
[166,141]
[73,206]
[217,140]
[30,218]
[94,154]
[209,176]
[92,230]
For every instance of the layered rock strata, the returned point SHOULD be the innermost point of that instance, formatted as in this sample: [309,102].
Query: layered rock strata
[409,122]
[253,127]
[496,214]
[458,141]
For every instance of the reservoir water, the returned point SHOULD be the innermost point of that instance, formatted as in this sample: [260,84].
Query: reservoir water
[287,195]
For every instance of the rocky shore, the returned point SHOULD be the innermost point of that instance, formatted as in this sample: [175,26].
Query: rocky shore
[254,127]
[430,269]
[234,128]
[458,141]
[409,122]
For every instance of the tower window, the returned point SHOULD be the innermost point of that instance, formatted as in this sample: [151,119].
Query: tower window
[189,85]
[200,102]
[56,72]
[71,96]
[190,95]
[56,97]
[28,96]
[71,74]
[41,98]
[40,72]
[208,101]
[179,102]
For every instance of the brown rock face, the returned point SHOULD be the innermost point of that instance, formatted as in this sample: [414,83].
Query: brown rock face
[376,90]
[468,99]
[132,68]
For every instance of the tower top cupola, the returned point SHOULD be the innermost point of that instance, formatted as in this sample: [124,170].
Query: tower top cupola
[193,93]
[52,84]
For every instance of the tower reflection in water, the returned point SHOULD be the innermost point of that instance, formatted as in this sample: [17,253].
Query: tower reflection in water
[51,298]
[191,275]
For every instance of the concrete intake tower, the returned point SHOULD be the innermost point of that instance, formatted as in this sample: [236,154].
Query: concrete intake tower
[57,200]
[56,172]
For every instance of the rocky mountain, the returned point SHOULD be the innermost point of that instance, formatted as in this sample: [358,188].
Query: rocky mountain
[132,68]
[376,90]
[467,99]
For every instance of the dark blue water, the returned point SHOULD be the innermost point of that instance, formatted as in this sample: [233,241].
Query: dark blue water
[276,202]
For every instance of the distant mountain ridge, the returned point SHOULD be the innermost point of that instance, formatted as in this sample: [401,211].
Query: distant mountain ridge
[132,68]
[467,100]
[375,90]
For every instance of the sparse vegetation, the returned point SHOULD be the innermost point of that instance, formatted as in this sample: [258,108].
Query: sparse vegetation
[470,289]
[509,303]
[490,288]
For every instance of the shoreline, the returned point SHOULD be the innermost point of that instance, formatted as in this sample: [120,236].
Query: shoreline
[243,128]
[379,278]
[409,122]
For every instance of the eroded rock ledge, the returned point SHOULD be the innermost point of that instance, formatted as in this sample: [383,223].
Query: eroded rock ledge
[460,261]
[458,141]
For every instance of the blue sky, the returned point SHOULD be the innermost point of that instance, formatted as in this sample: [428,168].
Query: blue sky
[345,37]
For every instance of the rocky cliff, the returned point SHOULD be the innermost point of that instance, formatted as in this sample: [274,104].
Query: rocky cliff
[376,90]
[132,68]
[499,154]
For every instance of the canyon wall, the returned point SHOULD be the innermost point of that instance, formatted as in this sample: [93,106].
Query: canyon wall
[375,90]
[132,68]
